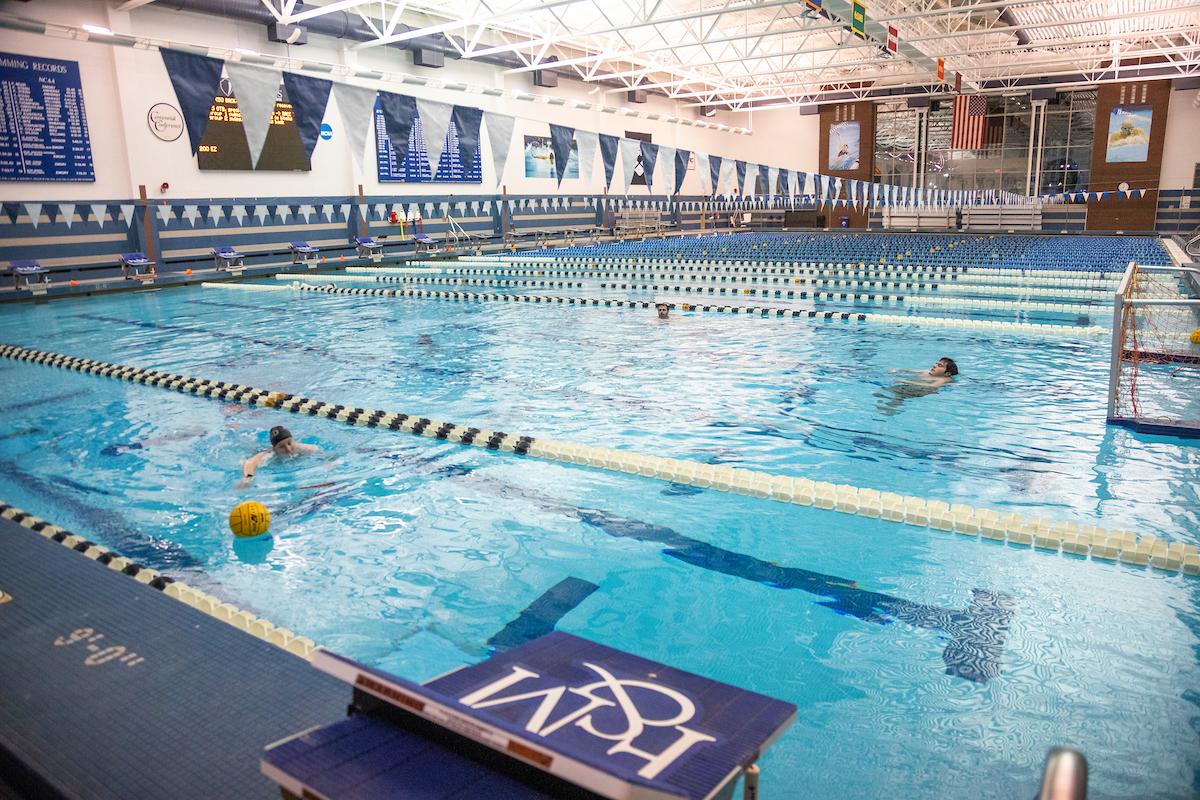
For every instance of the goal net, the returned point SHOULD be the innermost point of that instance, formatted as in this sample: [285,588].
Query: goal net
[1154,385]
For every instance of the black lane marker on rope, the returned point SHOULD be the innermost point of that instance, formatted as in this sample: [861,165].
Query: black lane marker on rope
[762,311]
[466,282]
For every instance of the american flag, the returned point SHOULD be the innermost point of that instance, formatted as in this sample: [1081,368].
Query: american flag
[970,111]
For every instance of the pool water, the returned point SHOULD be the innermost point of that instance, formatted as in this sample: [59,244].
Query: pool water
[922,663]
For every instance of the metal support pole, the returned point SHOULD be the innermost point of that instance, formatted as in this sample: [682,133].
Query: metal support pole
[1039,109]
[750,785]
[1118,339]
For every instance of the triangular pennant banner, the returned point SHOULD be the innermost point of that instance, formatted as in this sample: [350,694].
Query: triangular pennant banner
[630,150]
[500,134]
[190,212]
[681,162]
[308,97]
[305,211]
[741,175]
[164,213]
[561,138]
[196,80]
[67,210]
[714,174]
[666,157]
[466,125]
[237,212]
[649,159]
[256,90]
[435,124]
[262,213]
[99,212]
[587,142]
[608,154]
[399,115]
[127,213]
[34,210]
[356,104]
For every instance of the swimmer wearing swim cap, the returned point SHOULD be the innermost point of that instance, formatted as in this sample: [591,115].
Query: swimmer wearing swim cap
[282,445]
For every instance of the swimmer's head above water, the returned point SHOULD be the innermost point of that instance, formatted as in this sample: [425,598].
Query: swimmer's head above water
[663,310]
[281,441]
[944,368]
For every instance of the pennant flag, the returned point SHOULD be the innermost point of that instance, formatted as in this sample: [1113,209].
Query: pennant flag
[34,210]
[164,213]
[773,181]
[608,154]
[399,113]
[305,211]
[958,82]
[500,133]
[435,124]
[858,18]
[893,39]
[327,211]
[764,177]
[630,150]
[255,89]
[191,212]
[11,210]
[704,170]
[466,124]
[67,210]
[714,173]
[681,161]
[237,212]
[649,159]
[99,212]
[215,213]
[587,142]
[666,157]
[356,104]
[345,209]
[815,5]
[196,80]
[262,213]
[941,69]
[364,213]
[741,176]
[309,97]
[381,210]
[561,138]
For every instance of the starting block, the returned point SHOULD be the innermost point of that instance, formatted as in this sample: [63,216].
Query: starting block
[228,260]
[136,266]
[559,716]
[425,244]
[31,275]
[303,253]
[369,248]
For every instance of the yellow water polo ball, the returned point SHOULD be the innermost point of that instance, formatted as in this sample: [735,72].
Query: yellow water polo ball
[249,519]
[1195,337]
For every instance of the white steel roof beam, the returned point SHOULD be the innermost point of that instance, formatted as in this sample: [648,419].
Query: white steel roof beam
[516,11]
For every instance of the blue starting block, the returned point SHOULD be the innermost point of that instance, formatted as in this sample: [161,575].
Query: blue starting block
[303,253]
[556,717]
[136,266]
[425,244]
[369,248]
[29,274]
[228,259]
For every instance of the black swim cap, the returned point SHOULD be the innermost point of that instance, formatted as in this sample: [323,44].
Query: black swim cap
[278,434]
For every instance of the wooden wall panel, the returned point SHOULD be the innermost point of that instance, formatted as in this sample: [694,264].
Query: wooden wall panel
[1133,214]
[864,113]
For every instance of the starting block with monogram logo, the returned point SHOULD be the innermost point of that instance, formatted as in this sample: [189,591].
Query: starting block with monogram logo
[559,716]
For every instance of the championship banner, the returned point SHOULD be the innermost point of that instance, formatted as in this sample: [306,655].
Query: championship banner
[893,39]
[858,19]
[941,69]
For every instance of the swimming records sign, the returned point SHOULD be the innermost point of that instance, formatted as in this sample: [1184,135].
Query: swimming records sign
[43,127]
[415,166]
[224,145]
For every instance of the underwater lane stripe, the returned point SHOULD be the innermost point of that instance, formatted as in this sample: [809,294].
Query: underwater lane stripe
[758,311]
[978,523]
[226,612]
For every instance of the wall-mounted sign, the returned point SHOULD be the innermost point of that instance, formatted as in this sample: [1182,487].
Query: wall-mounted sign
[43,127]
[326,131]
[1129,134]
[165,121]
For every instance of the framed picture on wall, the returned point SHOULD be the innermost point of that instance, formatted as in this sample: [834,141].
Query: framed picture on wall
[539,159]
[843,145]
[1129,134]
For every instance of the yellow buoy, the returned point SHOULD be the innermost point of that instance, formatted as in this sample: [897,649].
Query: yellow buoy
[1195,337]
[249,519]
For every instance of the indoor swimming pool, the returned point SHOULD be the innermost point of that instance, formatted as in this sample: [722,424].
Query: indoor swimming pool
[923,663]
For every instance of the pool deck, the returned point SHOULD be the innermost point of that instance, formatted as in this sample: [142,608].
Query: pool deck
[173,704]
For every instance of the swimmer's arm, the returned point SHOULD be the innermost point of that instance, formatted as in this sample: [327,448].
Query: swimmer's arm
[251,465]
[308,448]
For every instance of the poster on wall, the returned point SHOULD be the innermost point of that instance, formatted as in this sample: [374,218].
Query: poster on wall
[224,145]
[843,145]
[539,159]
[415,167]
[43,127]
[1129,134]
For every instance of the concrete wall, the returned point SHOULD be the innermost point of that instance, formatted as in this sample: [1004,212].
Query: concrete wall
[1181,151]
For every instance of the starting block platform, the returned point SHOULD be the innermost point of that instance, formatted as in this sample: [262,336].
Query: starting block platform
[560,716]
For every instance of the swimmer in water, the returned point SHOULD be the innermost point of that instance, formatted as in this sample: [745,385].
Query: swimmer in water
[923,382]
[282,444]
[663,309]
